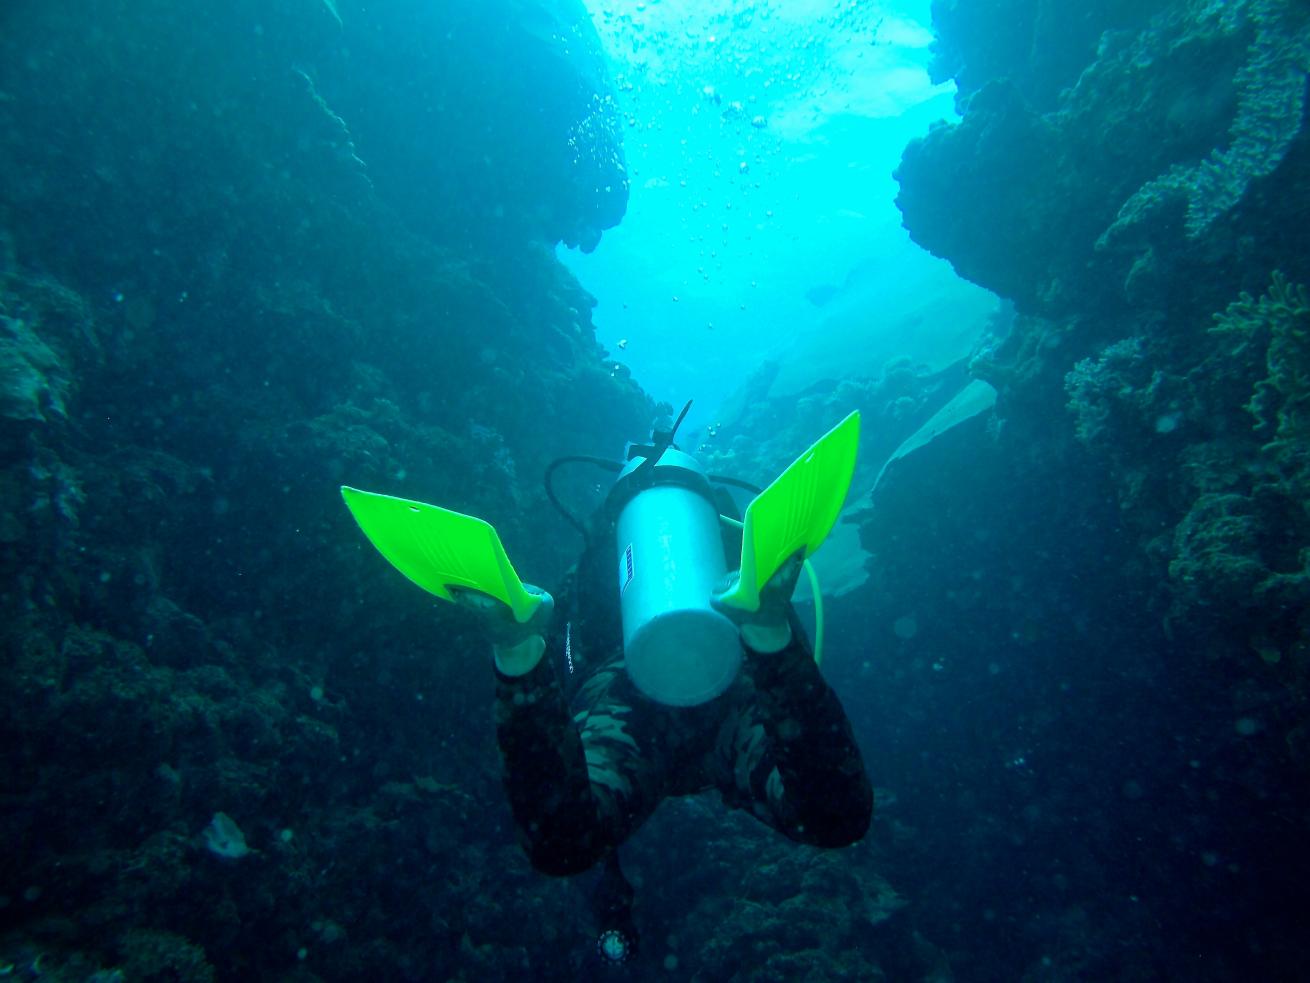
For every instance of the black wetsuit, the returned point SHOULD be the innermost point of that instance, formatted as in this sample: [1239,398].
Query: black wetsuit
[588,758]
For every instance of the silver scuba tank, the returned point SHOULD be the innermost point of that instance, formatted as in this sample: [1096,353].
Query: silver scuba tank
[677,649]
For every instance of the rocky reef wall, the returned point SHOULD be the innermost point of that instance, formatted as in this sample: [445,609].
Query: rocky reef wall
[1149,224]
[1103,175]
[248,253]
[1132,521]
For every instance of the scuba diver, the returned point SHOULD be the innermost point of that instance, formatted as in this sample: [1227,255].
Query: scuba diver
[655,671]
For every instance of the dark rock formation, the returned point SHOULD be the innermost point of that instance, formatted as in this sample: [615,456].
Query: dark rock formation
[1135,178]
[1102,182]
[1041,46]
[464,152]
[1123,214]
[241,263]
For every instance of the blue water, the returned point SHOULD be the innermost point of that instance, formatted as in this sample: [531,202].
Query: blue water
[761,140]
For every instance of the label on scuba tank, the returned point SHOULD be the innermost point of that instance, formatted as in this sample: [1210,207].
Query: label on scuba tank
[625,569]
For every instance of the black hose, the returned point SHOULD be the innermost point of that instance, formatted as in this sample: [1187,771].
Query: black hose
[719,479]
[614,467]
[678,422]
[600,462]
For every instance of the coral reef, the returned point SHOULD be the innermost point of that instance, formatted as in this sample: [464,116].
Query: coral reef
[1060,159]
[1136,531]
[1253,550]
[552,123]
[1143,385]
[795,912]
[33,383]
[222,295]
[1270,95]
[1279,323]
[1040,44]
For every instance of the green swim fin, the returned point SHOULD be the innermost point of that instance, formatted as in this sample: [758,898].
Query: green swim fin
[796,512]
[439,549]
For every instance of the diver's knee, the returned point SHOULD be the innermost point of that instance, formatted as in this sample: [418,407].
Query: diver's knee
[834,837]
[833,830]
[557,861]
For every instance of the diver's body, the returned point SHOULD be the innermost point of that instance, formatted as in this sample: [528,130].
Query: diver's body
[668,685]
[583,774]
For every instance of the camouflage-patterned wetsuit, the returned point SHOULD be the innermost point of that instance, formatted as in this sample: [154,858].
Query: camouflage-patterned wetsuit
[583,774]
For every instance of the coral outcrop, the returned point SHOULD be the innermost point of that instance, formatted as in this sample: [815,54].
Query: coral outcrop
[1122,172]
[1279,324]
[242,263]
[1091,166]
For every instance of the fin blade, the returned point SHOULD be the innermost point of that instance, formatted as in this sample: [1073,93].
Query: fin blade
[438,549]
[797,511]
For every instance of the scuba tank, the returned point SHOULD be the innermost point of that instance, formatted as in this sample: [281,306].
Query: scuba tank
[669,559]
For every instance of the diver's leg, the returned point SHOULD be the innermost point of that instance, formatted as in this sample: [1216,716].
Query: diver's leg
[789,756]
[578,786]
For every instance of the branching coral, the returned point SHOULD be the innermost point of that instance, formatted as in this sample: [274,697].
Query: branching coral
[332,130]
[1271,88]
[1250,548]
[33,381]
[1279,321]
[1121,398]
